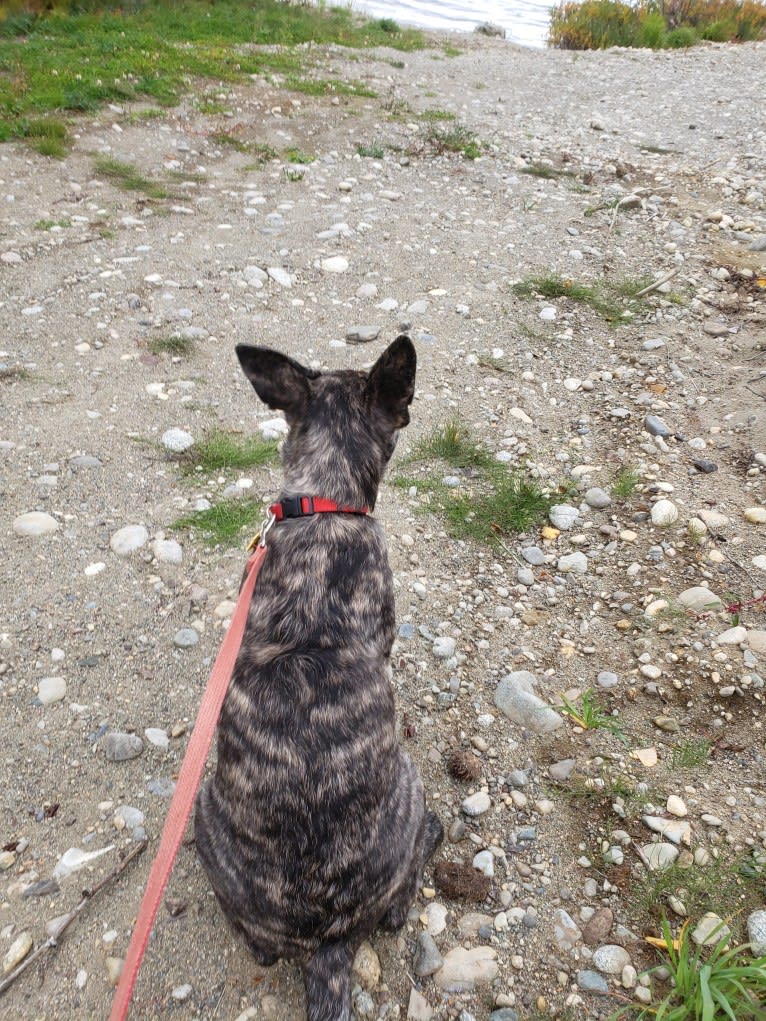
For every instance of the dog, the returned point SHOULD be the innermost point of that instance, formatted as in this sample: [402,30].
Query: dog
[313,830]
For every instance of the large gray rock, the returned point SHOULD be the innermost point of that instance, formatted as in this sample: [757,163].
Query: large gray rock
[463,970]
[427,957]
[515,696]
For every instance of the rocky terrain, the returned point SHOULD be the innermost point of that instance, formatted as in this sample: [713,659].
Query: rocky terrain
[643,589]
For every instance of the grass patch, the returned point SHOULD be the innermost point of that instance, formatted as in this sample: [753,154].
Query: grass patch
[128,178]
[545,171]
[295,155]
[456,139]
[730,885]
[598,24]
[46,135]
[374,151]
[602,298]
[328,87]
[76,58]
[263,154]
[500,501]
[224,523]
[179,346]
[437,115]
[691,754]
[220,451]
[228,140]
[50,224]
[14,374]
[626,483]
[707,983]
[589,714]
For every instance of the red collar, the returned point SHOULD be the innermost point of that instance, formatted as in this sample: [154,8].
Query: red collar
[305,506]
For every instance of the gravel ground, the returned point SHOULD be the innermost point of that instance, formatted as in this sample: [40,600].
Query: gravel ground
[658,162]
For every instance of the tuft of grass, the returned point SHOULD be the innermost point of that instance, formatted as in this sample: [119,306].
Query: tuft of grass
[14,374]
[545,171]
[374,151]
[551,285]
[50,224]
[501,502]
[626,482]
[294,155]
[591,715]
[128,178]
[220,450]
[455,444]
[456,138]
[435,114]
[47,135]
[222,524]
[175,345]
[227,139]
[691,754]
[721,983]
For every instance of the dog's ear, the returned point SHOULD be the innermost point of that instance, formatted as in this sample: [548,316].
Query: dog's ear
[391,383]
[279,381]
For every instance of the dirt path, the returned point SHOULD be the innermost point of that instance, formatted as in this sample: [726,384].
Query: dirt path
[91,276]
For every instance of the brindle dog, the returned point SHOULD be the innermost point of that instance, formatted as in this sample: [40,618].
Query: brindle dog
[314,830]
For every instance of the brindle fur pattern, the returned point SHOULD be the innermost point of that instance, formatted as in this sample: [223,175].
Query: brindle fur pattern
[313,830]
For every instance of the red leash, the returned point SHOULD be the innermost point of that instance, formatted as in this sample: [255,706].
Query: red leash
[186,788]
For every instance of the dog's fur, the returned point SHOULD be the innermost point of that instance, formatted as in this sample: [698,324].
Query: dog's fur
[313,830]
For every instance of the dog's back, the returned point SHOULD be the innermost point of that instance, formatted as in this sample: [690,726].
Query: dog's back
[313,830]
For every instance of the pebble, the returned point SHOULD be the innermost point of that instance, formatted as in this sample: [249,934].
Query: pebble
[533,555]
[756,515]
[732,636]
[484,862]
[656,427]
[566,934]
[443,647]
[477,804]
[561,770]
[120,747]
[362,334]
[676,806]
[606,679]
[73,859]
[597,498]
[335,264]
[114,969]
[563,516]
[158,737]
[660,856]
[664,512]
[598,926]
[464,969]
[591,982]
[573,563]
[177,440]
[182,992]
[273,429]
[185,638]
[515,696]
[51,689]
[436,916]
[128,539]
[366,966]
[710,929]
[280,276]
[756,931]
[17,951]
[418,1007]
[611,959]
[35,524]
[700,599]
[427,957]
[168,551]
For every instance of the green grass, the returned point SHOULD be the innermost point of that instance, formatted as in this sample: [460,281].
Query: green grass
[455,138]
[626,483]
[228,140]
[374,151]
[224,523]
[591,715]
[50,224]
[602,298]
[155,51]
[220,451]
[128,178]
[691,754]
[175,345]
[722,983]
[544,171]
[294,155]
[435,114]
[499,501]
[47,135]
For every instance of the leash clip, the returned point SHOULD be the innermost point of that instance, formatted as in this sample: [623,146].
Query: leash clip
[259,539]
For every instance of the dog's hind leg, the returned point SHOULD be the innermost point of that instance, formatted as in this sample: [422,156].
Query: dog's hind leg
[433,834]
[328,983]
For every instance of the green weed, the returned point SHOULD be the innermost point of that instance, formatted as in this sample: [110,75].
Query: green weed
[545,171]
[175,345]
[437,115]
[454,444]
[512,502]
[626,483]
[128,178]
[551,285]
[721,983]
[456,139]
[50,224]
[47,135]
[227,139]
[374,151]
[224,523]
[294,155]
[219,451]
[591,715]
[691,754]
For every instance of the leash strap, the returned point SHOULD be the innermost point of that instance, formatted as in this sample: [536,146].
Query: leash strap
[186,788]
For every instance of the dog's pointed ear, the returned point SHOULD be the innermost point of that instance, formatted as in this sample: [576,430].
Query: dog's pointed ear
[391,383]
[279,381]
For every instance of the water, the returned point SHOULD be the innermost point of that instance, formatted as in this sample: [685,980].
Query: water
[525,21]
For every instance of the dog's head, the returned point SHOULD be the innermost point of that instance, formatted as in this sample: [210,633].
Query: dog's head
[342,425]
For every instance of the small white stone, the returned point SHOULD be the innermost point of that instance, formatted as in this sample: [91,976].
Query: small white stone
[573,563]
[734,636]
[273,428]
[664,512]
[710,930]
[51,689]
[477,804]
[177,440]
[757,515]
[335,264]
[676,806]
[95,568]
[563,516]
[484,862]
[436,918]
[280,276]
[35,524]
[182,993]
[167,551]
[128,539]
[17,951]
[158,737]
[444,647]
